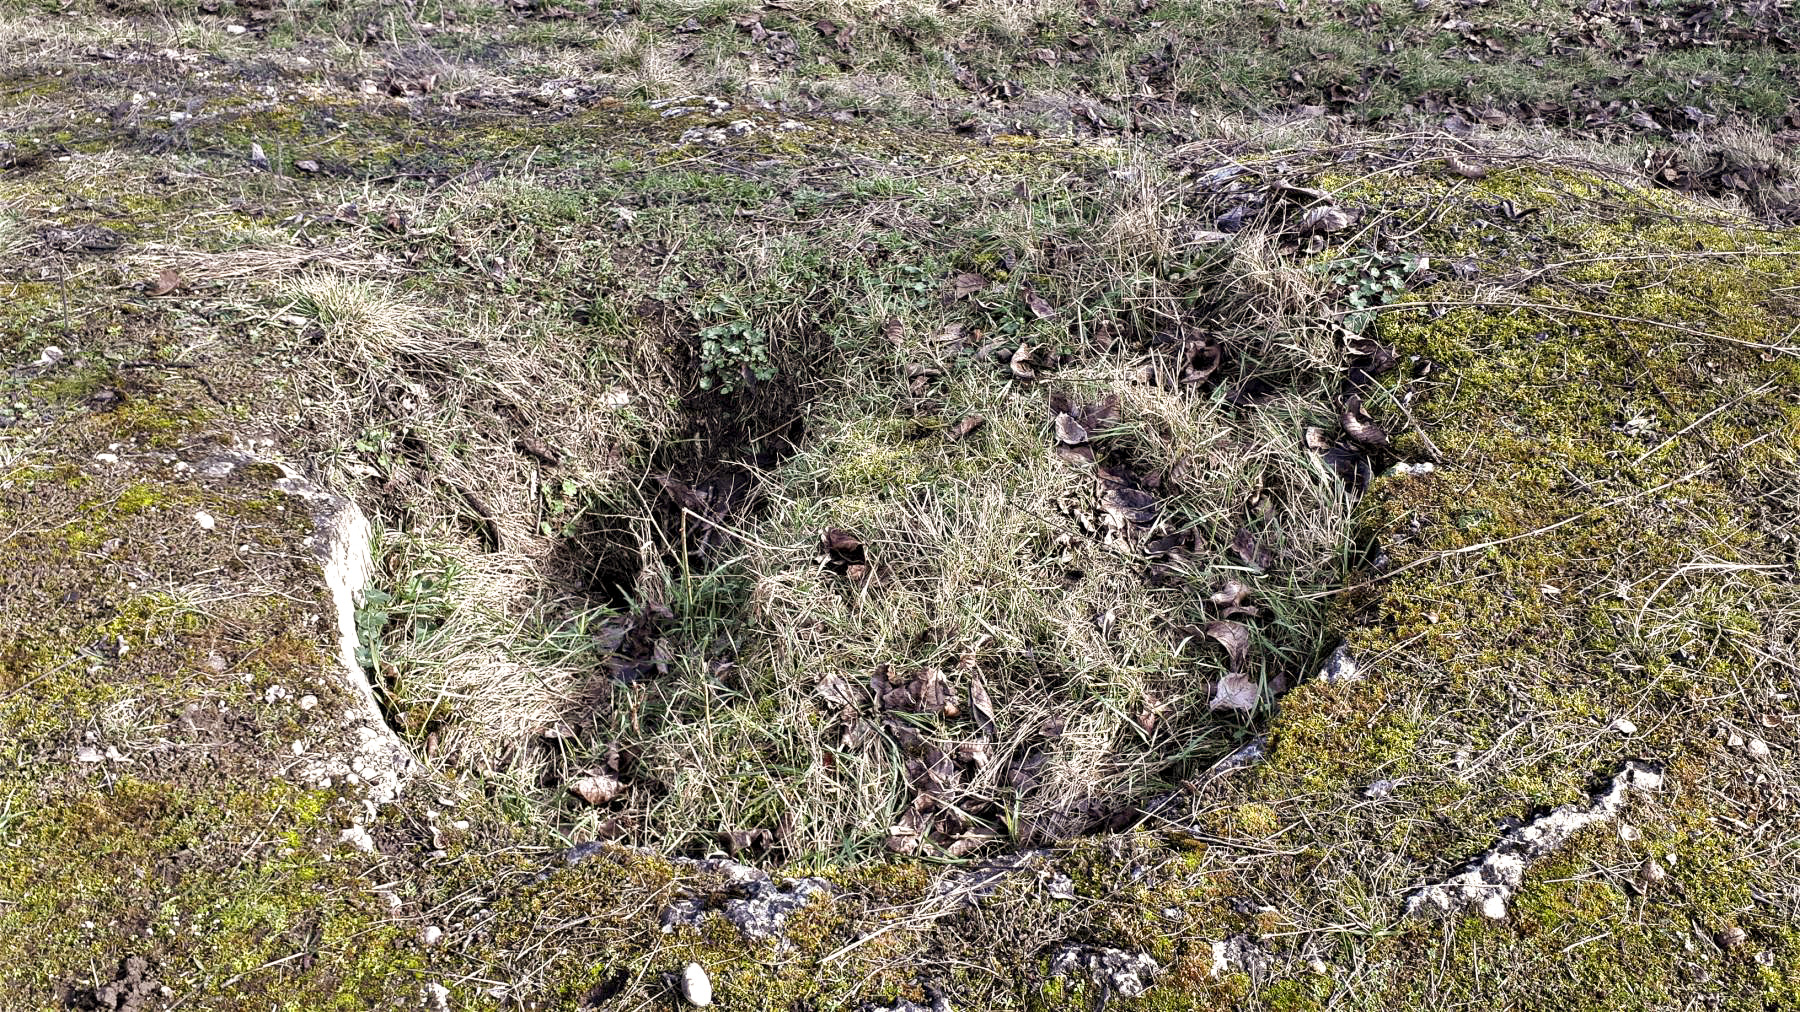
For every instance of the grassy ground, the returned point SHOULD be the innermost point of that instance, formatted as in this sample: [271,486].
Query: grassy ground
[876,442]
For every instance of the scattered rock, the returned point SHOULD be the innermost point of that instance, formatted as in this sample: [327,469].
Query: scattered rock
[1238,953]
[1127,974]
[1489,882]
[1341,667]
[1381,790]
[971,887]
[760,910]
[696,986]
[358,836]
[205,520]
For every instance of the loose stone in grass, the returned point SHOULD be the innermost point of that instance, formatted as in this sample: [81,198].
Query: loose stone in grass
[696,987]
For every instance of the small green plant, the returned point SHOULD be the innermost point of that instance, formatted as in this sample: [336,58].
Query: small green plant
[1369,280]
[733,350]
[561,508]
[416,607]
[377,443]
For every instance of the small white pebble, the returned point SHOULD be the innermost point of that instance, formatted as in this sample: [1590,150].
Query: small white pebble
[1623,726]
[1381,789]
[696,987]
[107,458]
[88,754]
[205,520]
[1629,833]
[235,29]
[1757,747]
[358,837]
[298,748]
[308,701]
[1494,908]
[430,935]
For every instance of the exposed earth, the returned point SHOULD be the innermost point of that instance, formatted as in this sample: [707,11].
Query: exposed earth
[789,505]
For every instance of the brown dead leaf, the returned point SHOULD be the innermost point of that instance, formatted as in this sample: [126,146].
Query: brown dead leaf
[974,753]
[1236,692]
[1022,364]
[1128,506]
[1039,307]
[1359,426]
[1148,713]
[1231,600]
[966,426]
[1301,194]
[597,788]
[1465,168]
[919,378]
[966,284]
[1324,220]
[906,834]
[1199,360]
[841,552]
[543,452]
[835,688]
[1235,638]
[981,706]
[1069,431]
[933,692]
[1247,548]
[969,842]
[167,283]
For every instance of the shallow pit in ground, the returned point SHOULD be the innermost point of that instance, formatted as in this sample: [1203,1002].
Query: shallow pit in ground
[965,613]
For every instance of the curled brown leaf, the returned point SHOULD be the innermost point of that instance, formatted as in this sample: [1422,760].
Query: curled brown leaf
[1234,637]
[1236,692]
[596,788]
[1069,431]
[1359,426]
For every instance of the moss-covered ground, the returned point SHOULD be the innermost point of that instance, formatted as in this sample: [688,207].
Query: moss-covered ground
[1600,566]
